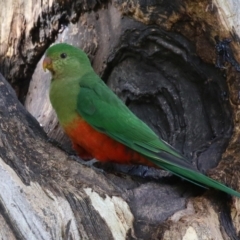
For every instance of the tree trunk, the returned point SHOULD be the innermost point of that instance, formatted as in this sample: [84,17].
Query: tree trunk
[160,58]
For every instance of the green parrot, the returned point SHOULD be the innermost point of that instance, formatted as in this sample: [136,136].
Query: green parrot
[101,126]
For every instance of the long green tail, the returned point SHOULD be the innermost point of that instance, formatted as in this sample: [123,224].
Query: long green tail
[188,172]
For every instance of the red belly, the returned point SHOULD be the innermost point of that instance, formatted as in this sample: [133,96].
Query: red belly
[88,143]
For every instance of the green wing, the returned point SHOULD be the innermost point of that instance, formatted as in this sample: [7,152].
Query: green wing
[107,113]
[104,111]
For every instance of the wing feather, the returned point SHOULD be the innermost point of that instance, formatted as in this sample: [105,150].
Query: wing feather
[101,108]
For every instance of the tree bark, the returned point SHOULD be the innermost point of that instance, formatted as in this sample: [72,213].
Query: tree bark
[159,58]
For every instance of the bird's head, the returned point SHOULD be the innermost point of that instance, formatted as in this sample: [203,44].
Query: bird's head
[65,60]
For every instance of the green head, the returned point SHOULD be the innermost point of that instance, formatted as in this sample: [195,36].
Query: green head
[64,60]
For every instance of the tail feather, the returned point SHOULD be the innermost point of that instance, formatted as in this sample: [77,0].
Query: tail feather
[187,171]
[180,166]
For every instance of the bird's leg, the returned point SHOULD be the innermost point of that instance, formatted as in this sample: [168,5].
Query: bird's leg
[89,163]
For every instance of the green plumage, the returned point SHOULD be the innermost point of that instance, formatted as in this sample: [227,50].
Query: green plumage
[105,112]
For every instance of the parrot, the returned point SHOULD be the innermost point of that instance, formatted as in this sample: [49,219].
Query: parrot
[101,126]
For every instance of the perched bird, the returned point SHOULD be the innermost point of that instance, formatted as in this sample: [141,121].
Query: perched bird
[101,126]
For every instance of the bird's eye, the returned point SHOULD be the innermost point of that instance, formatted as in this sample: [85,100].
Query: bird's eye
[63,55]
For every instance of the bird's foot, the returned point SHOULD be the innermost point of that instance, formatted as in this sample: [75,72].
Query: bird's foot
[89,163]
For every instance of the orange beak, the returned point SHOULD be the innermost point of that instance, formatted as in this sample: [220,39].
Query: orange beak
[47,64]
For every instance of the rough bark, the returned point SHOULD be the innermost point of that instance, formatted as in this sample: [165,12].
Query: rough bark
[160,60]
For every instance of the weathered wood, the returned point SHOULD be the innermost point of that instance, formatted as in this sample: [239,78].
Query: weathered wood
[159,58]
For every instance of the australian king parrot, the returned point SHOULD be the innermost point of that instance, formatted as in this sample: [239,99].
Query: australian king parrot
[101,126]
